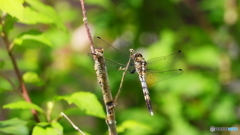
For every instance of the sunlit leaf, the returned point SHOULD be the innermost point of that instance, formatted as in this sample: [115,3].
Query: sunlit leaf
[13,7]
[223,112]
[14,126]
[58,127]
[204,56]
[86,101]
[32,17]
[5,85]
[31,77]
[38,131]
[132,125]
[23,105]
[10,21]
[44,128]
[32,39]
[103,3]
[42,14]
[164,46]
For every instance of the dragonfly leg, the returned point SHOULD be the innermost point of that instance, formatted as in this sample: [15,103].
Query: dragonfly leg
[133,71]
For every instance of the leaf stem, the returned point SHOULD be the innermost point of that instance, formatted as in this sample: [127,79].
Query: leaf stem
[23,88]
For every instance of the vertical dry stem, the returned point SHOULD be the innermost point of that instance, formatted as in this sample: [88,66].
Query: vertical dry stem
[23,88]
[101,72]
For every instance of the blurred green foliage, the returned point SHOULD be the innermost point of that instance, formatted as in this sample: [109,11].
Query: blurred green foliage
[50,44]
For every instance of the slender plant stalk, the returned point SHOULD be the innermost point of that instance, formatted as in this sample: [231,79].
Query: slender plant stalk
[85,20]
[23,88]
[74,126]
[102,77]
[123,76]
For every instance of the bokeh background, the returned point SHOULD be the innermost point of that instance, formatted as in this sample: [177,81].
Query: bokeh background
[206,94]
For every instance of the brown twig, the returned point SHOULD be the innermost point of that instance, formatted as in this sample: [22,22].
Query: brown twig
[101,72]
[23,88]
[102,77]
[124,73]
[74,126]
[85,20]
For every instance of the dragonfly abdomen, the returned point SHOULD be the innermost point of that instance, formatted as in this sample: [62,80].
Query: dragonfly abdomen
[146,94]
[140,67]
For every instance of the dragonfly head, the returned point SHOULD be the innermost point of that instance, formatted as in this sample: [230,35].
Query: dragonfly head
[137,56]
[99,50]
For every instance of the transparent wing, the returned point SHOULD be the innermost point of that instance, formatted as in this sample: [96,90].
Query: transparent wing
[115,57]
[115,65]
[99,42]
[164,62]
[155,76]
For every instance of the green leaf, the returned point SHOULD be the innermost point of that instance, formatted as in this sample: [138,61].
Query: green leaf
[58,127]
[33,17]
[44,128]
[206,55]
[223,112]
[5,85]
[40,13]
[132,125]
[86,101]
[32,77]
[103,3]
[23,105]
[9,23]
[33,39]
[12,7]
[1,64]
[14,126]
[38,131]
[35,13]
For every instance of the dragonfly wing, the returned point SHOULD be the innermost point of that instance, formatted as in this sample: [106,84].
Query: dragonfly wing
[164,62]
[117,66]
[155,76]
[113,64]
[115,57]
[99,42]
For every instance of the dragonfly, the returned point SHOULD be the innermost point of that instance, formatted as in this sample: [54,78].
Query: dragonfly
[149,72]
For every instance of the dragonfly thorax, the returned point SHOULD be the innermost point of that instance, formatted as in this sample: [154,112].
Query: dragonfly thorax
[137,57]
[139,63]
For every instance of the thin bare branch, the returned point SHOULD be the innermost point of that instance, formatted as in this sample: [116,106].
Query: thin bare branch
[123,76]
[74,126]
[23,88]
[85,20]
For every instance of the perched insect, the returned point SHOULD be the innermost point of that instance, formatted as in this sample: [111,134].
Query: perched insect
[151,71]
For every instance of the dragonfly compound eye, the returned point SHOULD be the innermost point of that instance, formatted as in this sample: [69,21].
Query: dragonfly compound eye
[138,55]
